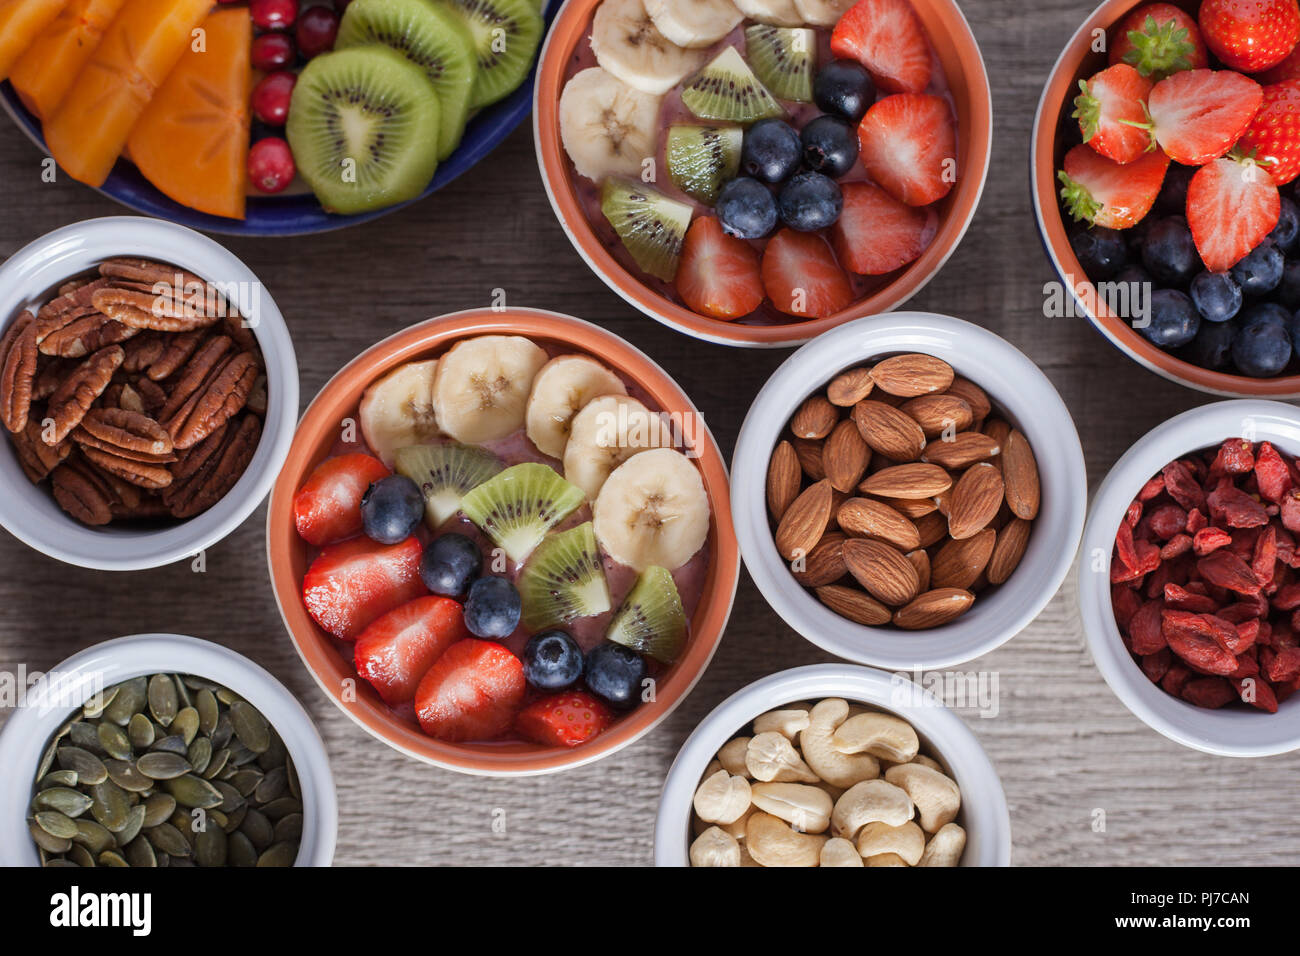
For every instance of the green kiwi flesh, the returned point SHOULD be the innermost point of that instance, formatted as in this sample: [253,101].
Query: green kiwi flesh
[701,158]
[563,580]
[784,59]
[445,474]
[505,34]
[652,226]
[517,507]
[651,620]
[727,89]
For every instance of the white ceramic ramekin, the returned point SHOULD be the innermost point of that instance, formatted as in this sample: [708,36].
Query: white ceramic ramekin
[1023,394]
[28,278]
[1234,731]
[28,730]
[984,814]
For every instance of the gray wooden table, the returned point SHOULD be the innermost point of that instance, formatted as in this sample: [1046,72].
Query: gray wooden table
[1063,744]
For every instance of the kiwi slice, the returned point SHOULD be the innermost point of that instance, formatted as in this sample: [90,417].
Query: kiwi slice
[702,158]
[784,59]
[505,34]
[651,620]
[445,474]
[563,580]
[652,226]
[433,38]
[364,126]
[517,507]
[727,89]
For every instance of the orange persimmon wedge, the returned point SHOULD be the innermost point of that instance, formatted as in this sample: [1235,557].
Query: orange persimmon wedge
[44,73]
[87,132]
[21,21]
[192,140]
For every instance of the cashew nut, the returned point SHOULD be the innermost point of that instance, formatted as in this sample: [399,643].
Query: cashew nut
[869,802]
[770,756]
[722,798]
[804,807]
[907,841]
[787,723]
[837,769]
[886,859]
[746,859]
[840,852]
[773,843]
[930,762]
[945,847]
[881,735]
[713,767]
[736,828]
[935,794]
[713,847]
[732,756]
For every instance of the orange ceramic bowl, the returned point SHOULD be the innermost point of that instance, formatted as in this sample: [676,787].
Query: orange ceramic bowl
[1077,62]
[335,673]
[959,54]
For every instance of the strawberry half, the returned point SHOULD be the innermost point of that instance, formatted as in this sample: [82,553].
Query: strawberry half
[1250,35]
[398,649]
[471,692]
[1198,115]
[1111,110]
[908,145]
[327,508]
[1232,204]
[887,38]
[802,277]
[718,274]
[1159,39]
[563,720]
[1274,134]
[876,233]
[1105,193]
[351,584]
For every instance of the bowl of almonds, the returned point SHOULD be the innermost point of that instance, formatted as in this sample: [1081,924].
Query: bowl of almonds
[148,393]
[909,491]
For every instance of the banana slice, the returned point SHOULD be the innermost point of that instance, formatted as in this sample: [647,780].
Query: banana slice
[560,390]
[779,13]
[397,411]
[607,127]
[653,510]
[823,13]
[695,24]
[628,45]
[482,386]
[607,432]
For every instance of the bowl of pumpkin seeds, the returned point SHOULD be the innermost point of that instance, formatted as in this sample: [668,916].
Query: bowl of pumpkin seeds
[163,750]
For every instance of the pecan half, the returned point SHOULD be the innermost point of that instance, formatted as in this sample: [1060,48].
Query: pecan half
[205,360]
[145,349]
[50,377]
[86,334]
[73,398]
[224,394]
[74,303]
[18,352]
[142,473]
[146,271]
[37,458]
[191,460]
[244,338]
[212,482]
[72,285]
[177,350]
[125,433]
[145,310]
[149,506]
[81,494]
[151,394]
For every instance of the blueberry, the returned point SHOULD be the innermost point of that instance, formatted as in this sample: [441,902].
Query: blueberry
[1288,290]
[1287,230]
[449,564]
[810,201]
[1173,321]
[1172,200]
[614,674]
[1293,327]
[391,509]
[492,608]
[746,208]
[1212,347]
[1261,270]
[1262,347]
[1101,251]
[552,661]
[1170,254]
[844,87]
[771,151]
[830,146]
[1216,295]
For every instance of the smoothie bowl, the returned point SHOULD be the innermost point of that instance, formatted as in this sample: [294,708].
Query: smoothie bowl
[737,171]
[503,542]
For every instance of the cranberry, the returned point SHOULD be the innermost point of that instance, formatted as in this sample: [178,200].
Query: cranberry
[273,51]
[318,27]
[273,14]
[270,165]
[271,97]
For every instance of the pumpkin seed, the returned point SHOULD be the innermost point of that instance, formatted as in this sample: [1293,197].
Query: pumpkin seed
[129,701]
[47,759]
[295,787]
[282,807]
[69,802]
[58,778]
[126,776]
[140,732]
[279,854]
[192,791]
[222,735]
[225,695]
[79,855]
[205,702]
[210,847]
[273,786]
[217,763]
[250,726]
[88,768]
[258,829]
[93,708]
[246,781]
[114,741]
[288,829]
[94,837]
[162,765]
[174,744]
[186,725]
[139,852]
[46,841]
[235,817]
[239,851]
[157,808]
[200,754]
[231,799]
[134,824]
[112,858]
[169,840]
[109,805]
[199,683]
[60,862]
[85,736]
[56,824]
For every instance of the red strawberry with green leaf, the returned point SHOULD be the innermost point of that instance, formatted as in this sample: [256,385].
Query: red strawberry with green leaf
[1250,35]
[397,649]
[1158,39]
[1111,110]
[1197,115]
[565,719]
[1273,136]
[1232,204]
[1103,192]
[471,692]
[718,275]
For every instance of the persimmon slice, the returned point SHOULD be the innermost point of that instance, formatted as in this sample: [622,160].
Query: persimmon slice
[21,21]
[43,75]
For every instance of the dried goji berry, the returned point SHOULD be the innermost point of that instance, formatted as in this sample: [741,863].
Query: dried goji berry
[1247,665]
[1125,549]
[1226,570]
[1271,473]
[1290,513]
[1178,544]
[1191,638]
[1285,544]
[1154,487]
[1134,514]
[1236,457]
[1285,689]
[1145,630]
[1233,508]
[1182,599]
[1282,665]
[1167,520]
[1287,598]
[1210,539]
[1212,692]
[1125,602]
[1148,556]
[1265,557]
[1156,665]
[1256,692]
[1176,678]
[1182,486]
[1243,636]
[1196,520]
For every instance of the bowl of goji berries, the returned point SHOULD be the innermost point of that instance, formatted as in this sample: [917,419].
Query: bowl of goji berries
[1189,587]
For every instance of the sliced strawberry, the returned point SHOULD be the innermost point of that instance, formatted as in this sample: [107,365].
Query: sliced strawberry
[876,233]
[909,147]
[1197,115]
[397,649]
[327,508]
[563,720]
[1232,205]
[1107,108]
[1250,35]
[1274,134]
[1104,193]
[1158,39]
[718,274]
[351,584]
[471,692]
[887,38]
[802,277]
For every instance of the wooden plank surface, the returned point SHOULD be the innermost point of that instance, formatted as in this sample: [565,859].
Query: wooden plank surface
[1063,744]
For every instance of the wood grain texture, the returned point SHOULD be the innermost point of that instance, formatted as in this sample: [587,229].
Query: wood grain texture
[1063,743]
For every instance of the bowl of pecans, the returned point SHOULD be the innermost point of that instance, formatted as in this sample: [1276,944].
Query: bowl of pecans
[148,393]
[908,490]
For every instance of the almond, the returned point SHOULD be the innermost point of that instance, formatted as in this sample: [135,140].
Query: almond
[804,522]
[854,605]
[784,478]
[845,457]
[864,518]
[912,508]
[934,608]
[1009,549]
[815,418]
[921,561]
[972,395]
[892,432]
[960,561]
[998,430]
[824,563]
[849,388]
[961,450]
[939,413]
[907,481]
[976,497]
[932,528]
[880,568]
[912,374]
[809,453]
[1020,473]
